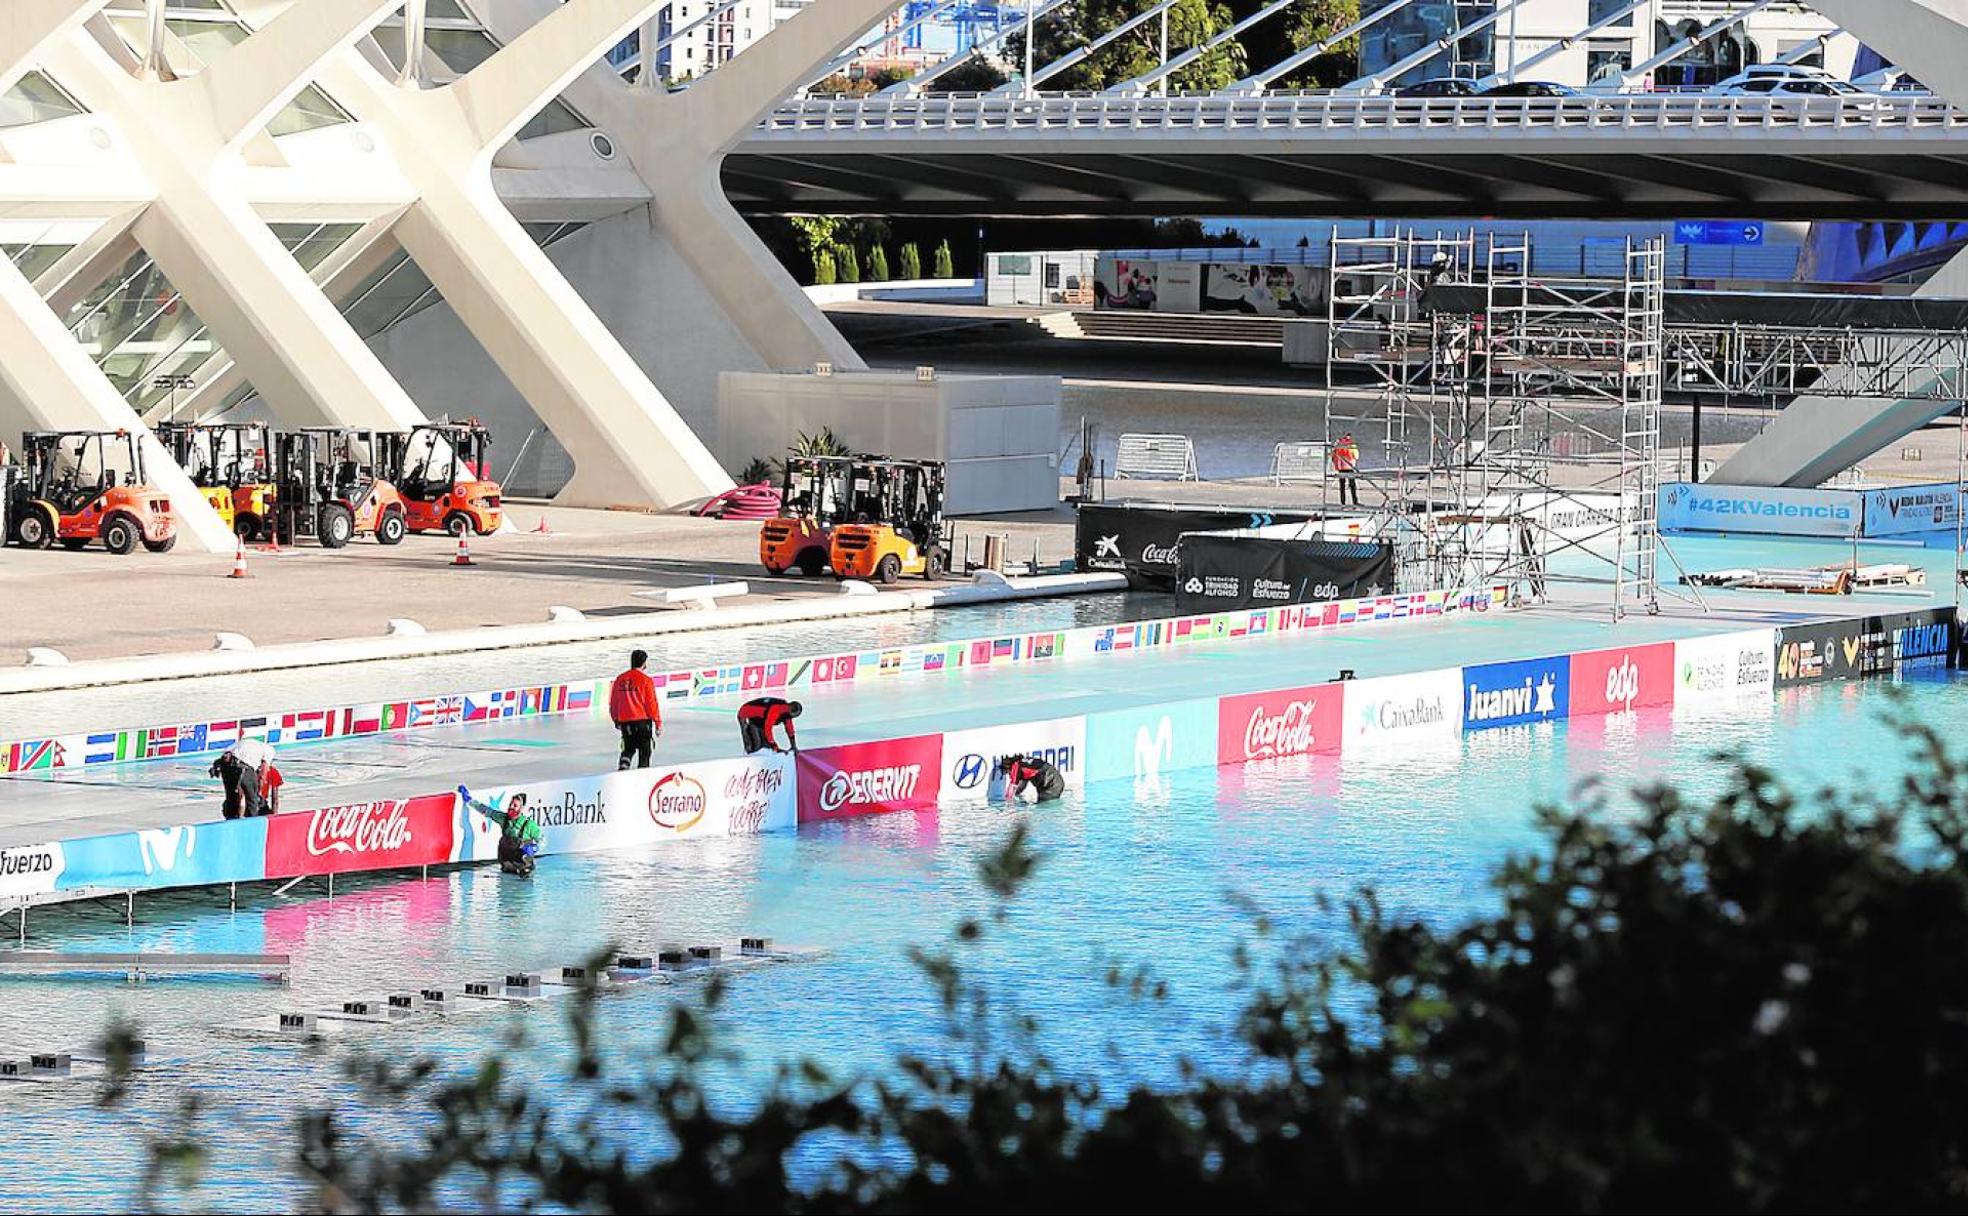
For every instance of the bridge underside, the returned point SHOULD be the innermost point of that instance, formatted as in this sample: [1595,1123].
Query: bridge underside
[1698,178]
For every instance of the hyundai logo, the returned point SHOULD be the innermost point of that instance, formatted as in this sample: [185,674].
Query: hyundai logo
[969,771]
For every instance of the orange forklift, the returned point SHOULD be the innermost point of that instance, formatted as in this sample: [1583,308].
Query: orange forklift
[79,486]
[326,486]
[893,523]
[439,469]
[811,497]
[232,465]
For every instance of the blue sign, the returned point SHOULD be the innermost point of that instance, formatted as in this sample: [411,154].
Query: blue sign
[1150,742]
[1516,693]
[1905,510]
[183,855]
[1718,232]
[1690,507]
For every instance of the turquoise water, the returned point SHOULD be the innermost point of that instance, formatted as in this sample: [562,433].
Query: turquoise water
[1132,875]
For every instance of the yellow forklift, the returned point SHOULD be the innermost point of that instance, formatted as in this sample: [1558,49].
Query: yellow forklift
[231,463]
[893,522]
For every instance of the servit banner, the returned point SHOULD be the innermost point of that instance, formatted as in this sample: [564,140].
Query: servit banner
[1690,507]
[1722,667]
[1410,711]
[1518,693]
[1622,678]
[1272,725]
[970,757]
[1906,510]
[382,835]
[182,855]
[1150,742]
[870,778]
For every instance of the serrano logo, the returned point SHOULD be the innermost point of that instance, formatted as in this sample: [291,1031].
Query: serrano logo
[968,771]
[1622,683]
[364,827]
[677,802]
[1283,734]
[895,783]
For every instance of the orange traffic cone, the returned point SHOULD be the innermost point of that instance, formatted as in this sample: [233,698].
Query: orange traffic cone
[238,558]
[273,540]
[541,528]
[464,554]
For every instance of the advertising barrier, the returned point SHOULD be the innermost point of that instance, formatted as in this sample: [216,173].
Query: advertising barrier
[970,757]
[387,834]
[1722,667]
[1406,711]
[1151,741]
[1705,507]
[1403,714]
[1911,510]
[1622,678]
[1273,725]
[1517,693]
[870,778]
[1138,539]
[1217,572]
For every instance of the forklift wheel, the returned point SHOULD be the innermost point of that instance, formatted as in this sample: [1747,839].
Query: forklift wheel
[458,524]
[162,546]
[932,564]
[812,562]
[120,534]
[74,544]
[33,530]
[888,569]
[335,525]
[391,528]
[247,527]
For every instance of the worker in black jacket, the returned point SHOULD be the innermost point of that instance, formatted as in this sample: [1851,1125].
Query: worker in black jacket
[760,717]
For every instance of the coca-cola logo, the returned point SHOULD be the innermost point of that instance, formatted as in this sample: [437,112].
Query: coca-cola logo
[1286,733]
[1157,555]
[362,827]
[677,801]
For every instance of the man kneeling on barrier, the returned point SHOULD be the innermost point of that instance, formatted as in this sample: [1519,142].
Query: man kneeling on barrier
[1030,772]
[519,832]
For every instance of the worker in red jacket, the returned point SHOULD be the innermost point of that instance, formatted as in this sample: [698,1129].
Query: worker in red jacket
[632,706]
[761,717]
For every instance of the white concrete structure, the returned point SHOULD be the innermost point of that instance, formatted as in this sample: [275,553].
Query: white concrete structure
[219,184]
[999,435]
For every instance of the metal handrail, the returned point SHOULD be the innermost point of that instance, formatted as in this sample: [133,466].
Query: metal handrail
[1338,111]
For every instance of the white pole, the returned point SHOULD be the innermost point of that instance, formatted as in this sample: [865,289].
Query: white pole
[1161,86]
[1028,46]
[412,75]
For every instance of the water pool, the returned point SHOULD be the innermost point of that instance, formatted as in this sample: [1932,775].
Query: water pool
[1423,831]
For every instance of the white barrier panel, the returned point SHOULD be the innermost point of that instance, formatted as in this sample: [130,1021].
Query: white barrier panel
[1422,710]
[1167,456]
[970,757]
[1302,462]
[1723,666]
[739,797]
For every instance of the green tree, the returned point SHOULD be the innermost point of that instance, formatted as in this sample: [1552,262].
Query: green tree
[823,267]
[911,261]
[1304,23]
[1190,24]
[945,265]
[849,264]
[877,264]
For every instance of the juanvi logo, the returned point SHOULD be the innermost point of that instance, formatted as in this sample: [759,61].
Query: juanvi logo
[1517,701]
[158,847]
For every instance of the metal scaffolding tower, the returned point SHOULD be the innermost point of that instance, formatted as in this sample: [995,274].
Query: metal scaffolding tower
[1518,424]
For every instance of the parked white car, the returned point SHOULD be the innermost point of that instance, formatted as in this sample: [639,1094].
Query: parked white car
[1786,72]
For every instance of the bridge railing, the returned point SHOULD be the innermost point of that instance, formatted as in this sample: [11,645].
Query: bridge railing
[1348,112]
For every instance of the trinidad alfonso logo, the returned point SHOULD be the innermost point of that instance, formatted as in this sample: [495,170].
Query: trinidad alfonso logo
[677,802]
